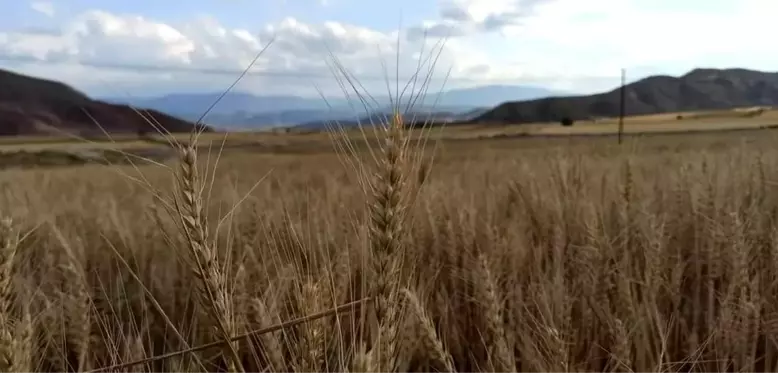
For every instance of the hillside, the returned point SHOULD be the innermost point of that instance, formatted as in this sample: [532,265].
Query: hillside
[700,89]
[33,106]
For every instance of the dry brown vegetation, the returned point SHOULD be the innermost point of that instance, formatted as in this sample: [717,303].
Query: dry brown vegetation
[501,255]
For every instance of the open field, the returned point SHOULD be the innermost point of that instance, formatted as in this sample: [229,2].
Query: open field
[667,122]
[76,145]
[560,254]
[630,128]
[736,119]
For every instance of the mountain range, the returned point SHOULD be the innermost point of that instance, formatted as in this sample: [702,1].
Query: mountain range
[33,106]
[699,89]
[244,110]
[30,105]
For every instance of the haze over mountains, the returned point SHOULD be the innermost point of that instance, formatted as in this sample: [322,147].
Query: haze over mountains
[243,110]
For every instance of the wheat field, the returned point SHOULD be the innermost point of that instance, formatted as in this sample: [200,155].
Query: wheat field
[485,255]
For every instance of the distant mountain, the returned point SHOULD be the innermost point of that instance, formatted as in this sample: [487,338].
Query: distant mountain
[239,109]
[380,116]
[283,118]
[490,95]
[33,106]
[475,113]
[700,89]
[192,105]
[319,118]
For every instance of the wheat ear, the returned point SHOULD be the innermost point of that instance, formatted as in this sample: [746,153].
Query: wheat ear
[426,335]
[387,211]
[212,289]
[499,354]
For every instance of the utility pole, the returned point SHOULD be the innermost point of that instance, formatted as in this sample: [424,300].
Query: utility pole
[621,105]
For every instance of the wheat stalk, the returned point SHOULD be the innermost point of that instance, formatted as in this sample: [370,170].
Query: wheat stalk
[314,333]
[212,289]
[80,321]
[427,336]
[494,335]
[9,244]
[23,351]
[387,212]
[270,343]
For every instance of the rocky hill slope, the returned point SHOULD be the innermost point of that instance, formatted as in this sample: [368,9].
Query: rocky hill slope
[700,89]
[33,106]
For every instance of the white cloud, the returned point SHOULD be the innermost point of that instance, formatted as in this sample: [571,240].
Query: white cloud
[298,55]
[43,7]
[604,35]
[566,44]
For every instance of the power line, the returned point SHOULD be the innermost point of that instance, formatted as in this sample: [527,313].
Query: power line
[622,103]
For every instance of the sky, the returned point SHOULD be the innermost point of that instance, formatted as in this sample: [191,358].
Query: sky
[147,48]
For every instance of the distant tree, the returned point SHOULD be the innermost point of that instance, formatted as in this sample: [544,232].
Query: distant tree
[566,121]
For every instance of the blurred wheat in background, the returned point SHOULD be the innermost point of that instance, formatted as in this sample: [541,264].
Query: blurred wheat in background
[516,255]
